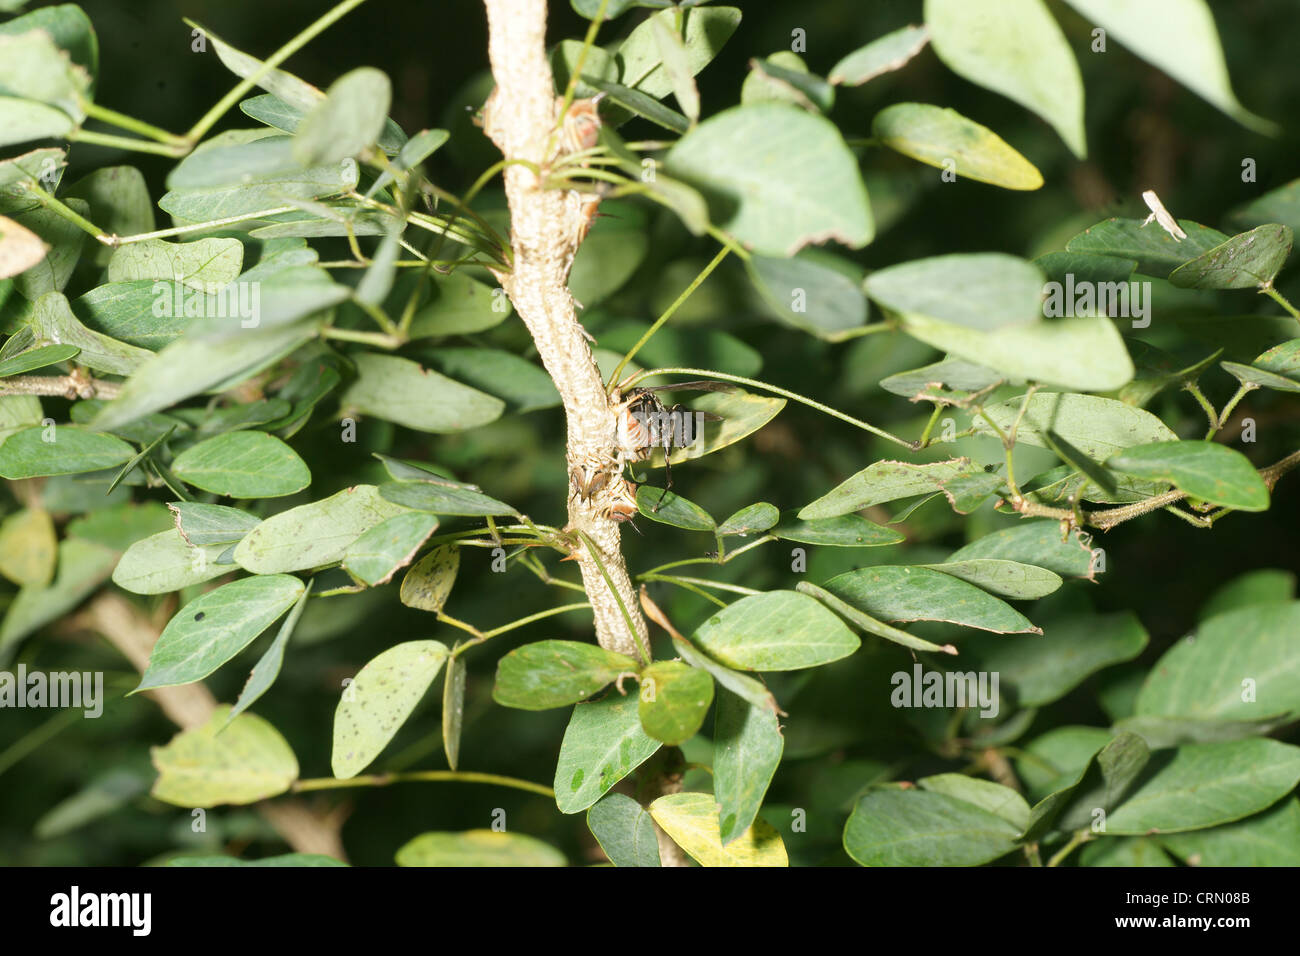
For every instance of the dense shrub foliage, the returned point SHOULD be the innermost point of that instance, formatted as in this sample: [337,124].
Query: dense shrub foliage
[977,544]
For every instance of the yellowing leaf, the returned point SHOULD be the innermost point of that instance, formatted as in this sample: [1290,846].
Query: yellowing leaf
[691,819]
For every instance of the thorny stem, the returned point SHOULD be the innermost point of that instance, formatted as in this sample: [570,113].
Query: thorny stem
[546,227]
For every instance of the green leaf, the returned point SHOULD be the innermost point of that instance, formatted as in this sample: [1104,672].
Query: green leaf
[742,414]
[775,631]
[414,152]
[842,531]
[453,709]
[670,508]
[1009,579]
[522,384]
[1215,473]
[28,547]
[674,698]
[1265,586]
[272,181]
[1271,838]
[120,204]
[287,87]
[1036,542]
[1058,757]
[239,763]
[379,700]
[460,306]
[747,746]
[691,819]
[166,562]
[44,450]
[1278,368]
[776,177]
[603,743]
[65,241]
[267,668]
[216,626]
[273,111]
[895,827]
[1248,261]
[1126,852]
[885,481]
[867,623]
[947,140]
[202,524]
[1156,252]
[752,519]
[22,121]
[1103,781]
[206,265]
[1239,665]
[52,319]
[1015,48]
[741,685]
[784,76]
[478,848]
[1042,670]
[443,497]
[1179,37]
[556,673]
[638,104]
[1204,785]
[994,797]
[106,793]
[611,253]
[121,525]
[625,831]
[1277,205]
[69,26]
[1082,352]
[313,535]
[82,567]
[348,121]
[399,390]
[676,62]
[428,584]
[813,291]
[882,55]
[704,32]
[1098,427]
[33,68]
[190,366]
[40,357]
[904,594]
[614,8]
[376,556]
[243,464]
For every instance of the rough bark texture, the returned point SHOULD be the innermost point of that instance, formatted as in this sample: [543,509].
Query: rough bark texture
[546,226]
